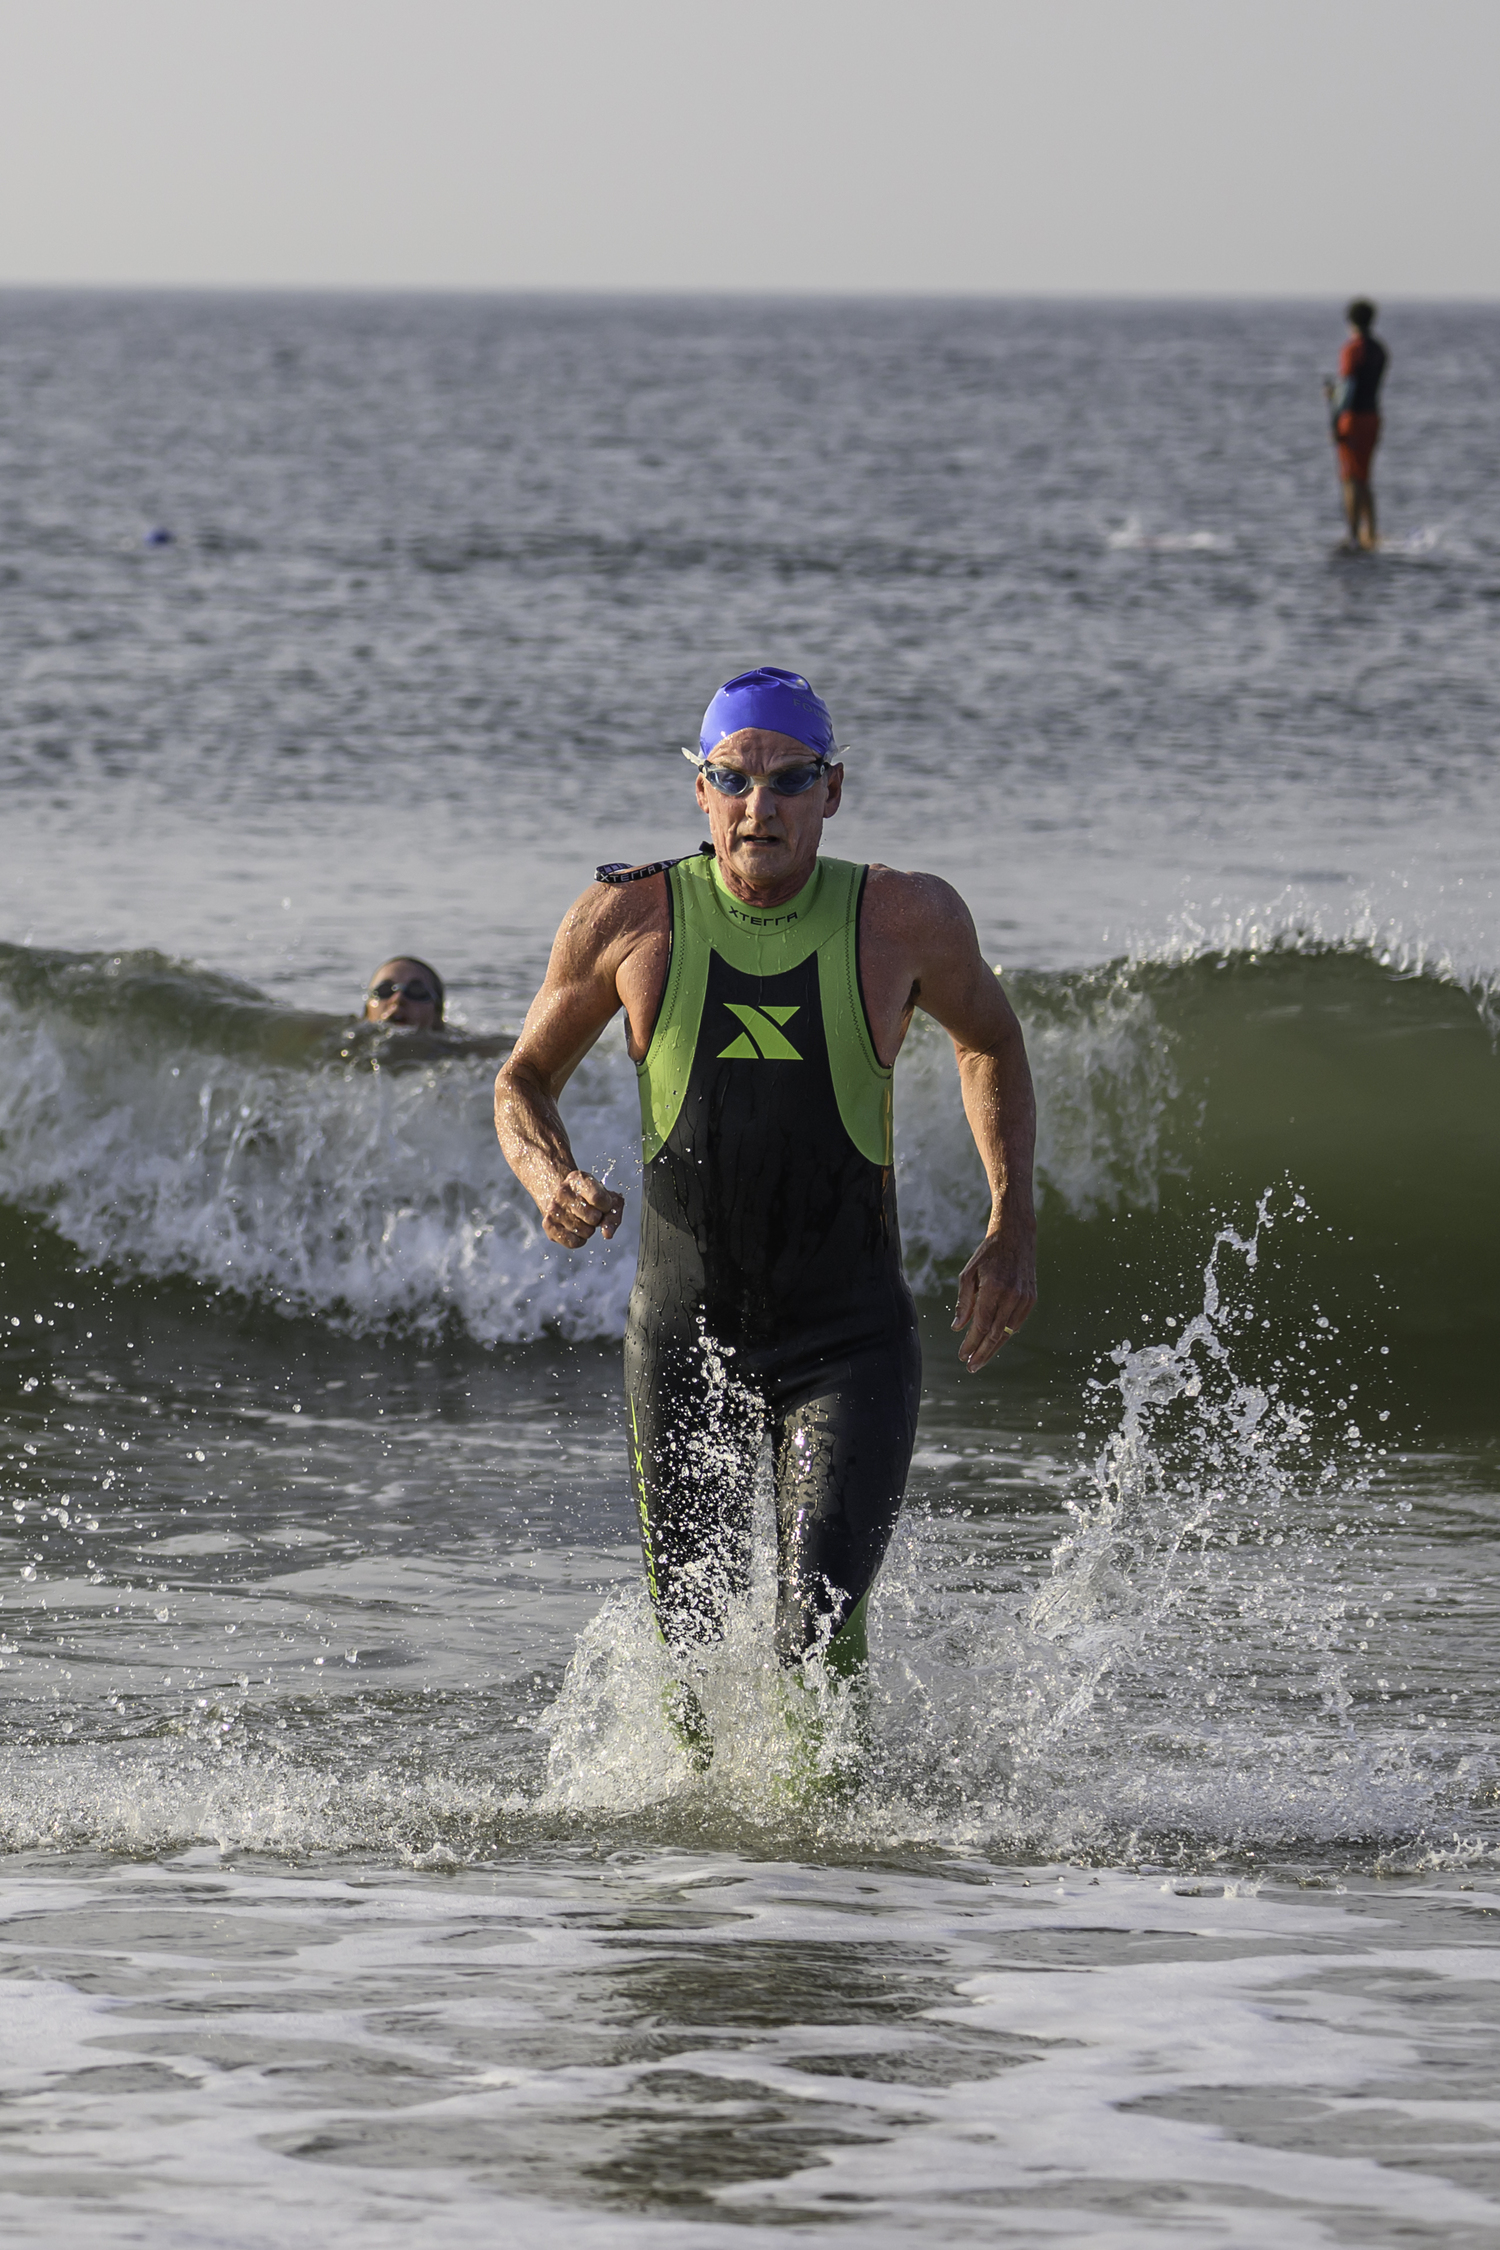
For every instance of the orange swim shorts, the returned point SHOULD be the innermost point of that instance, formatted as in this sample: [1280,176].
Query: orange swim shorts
[1358,436]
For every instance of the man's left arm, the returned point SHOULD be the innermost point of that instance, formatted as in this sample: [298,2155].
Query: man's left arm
[954,983]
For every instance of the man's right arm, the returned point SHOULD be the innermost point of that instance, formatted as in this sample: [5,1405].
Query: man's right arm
[603,932]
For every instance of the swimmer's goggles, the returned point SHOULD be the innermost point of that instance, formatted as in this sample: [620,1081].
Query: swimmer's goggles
[729,781]
[387,989]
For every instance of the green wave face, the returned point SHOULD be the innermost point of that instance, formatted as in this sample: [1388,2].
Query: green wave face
[175,1128]
[1373,1094]
[174,1003]
[178,1005]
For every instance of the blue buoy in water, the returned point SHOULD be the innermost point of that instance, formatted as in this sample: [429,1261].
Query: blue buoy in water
[159,536]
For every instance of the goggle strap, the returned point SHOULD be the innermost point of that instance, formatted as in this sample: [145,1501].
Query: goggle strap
[618,871]
[700,757]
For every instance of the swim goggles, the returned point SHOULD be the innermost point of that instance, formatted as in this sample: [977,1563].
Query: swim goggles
[729,781]
[387,989]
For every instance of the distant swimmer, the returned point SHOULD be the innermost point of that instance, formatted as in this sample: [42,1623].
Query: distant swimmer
[407,993]
[767,992]
[1354,401]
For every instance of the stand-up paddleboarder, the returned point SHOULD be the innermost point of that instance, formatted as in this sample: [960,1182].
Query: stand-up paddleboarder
[1354,410]
[767,992]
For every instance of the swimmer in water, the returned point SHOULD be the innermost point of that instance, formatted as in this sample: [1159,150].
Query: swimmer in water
[767,992]
[407,993]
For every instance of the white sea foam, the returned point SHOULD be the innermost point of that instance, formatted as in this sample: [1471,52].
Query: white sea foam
[1452,942]
[1196,1676]
[370,1197]
[670,2046]
[379,1198]
[1406,546]
[1184,1672]
[1132,537]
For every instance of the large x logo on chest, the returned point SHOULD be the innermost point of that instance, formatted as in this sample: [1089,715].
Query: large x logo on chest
[761,1040]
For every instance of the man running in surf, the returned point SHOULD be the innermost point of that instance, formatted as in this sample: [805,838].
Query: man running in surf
[767,992]
[1354,403]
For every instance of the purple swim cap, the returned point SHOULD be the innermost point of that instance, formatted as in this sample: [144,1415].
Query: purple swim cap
[776,701]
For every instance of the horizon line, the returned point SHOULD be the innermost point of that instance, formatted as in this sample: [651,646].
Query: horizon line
[681,292]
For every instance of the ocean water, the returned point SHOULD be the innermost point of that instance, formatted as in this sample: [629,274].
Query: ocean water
[352,1890]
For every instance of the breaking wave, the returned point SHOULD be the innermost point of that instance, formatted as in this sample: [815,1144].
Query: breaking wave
[161,1123]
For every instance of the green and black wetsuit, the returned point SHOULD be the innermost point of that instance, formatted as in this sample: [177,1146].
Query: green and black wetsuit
[769,1294]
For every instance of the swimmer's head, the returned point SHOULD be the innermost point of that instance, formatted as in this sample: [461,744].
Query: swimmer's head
[405,991]
[769,701]
[1360,315]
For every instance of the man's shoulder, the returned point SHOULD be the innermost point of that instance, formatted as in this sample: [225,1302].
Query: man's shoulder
[608,918]
[901,900]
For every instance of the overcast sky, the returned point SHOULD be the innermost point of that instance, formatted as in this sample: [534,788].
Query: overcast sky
[1163,146]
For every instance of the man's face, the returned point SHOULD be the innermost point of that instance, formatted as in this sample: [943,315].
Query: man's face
[764,838]
[419,1015]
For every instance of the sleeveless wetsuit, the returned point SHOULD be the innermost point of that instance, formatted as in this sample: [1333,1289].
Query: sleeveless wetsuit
[769,1297]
